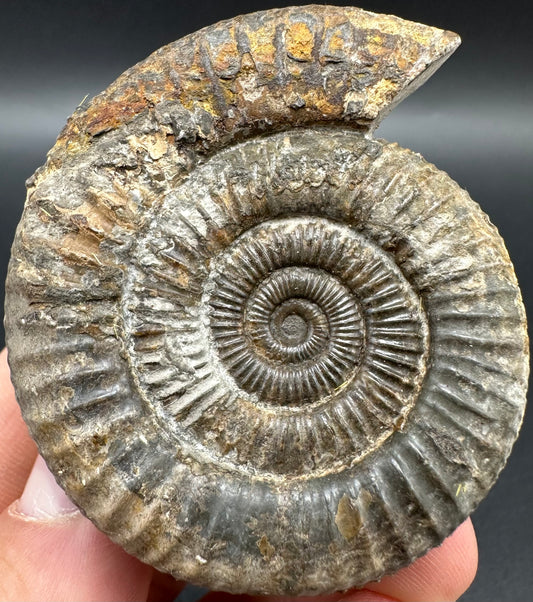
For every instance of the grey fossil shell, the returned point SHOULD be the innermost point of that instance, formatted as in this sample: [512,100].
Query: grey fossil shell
[259,348]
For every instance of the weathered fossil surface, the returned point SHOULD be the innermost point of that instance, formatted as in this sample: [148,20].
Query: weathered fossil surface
[259,348]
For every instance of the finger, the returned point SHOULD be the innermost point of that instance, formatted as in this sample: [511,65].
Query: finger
[444,573]
[224,597]
[50,552]
[363,595]
[17,450]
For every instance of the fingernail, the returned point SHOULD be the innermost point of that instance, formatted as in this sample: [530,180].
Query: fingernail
[42,497]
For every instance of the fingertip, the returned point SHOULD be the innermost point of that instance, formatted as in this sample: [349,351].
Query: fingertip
[65,558]
[444,573]
[42,497]
[17,450]
[365,595]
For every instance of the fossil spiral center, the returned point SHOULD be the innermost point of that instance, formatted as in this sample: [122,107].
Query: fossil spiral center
[296,321]
[292,330]
[296,334]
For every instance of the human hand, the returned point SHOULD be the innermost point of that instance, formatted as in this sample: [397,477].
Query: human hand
[50,552]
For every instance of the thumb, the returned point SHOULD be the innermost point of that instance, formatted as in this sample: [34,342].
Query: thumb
[50,552]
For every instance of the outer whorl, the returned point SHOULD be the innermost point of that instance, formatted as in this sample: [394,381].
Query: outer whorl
[259,348]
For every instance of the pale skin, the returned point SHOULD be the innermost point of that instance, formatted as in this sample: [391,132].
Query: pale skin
[50,552]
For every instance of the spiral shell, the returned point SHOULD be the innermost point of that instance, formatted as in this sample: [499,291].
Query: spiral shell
[260,349]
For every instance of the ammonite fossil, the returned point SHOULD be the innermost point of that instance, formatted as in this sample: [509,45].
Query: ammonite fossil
[259,348]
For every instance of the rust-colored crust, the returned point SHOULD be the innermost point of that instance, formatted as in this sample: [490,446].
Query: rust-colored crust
[291,66]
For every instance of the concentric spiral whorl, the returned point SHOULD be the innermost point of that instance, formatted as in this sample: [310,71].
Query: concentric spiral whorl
[291,305]
[260,349]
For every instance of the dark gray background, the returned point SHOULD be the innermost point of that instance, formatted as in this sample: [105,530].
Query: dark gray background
[474,119]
